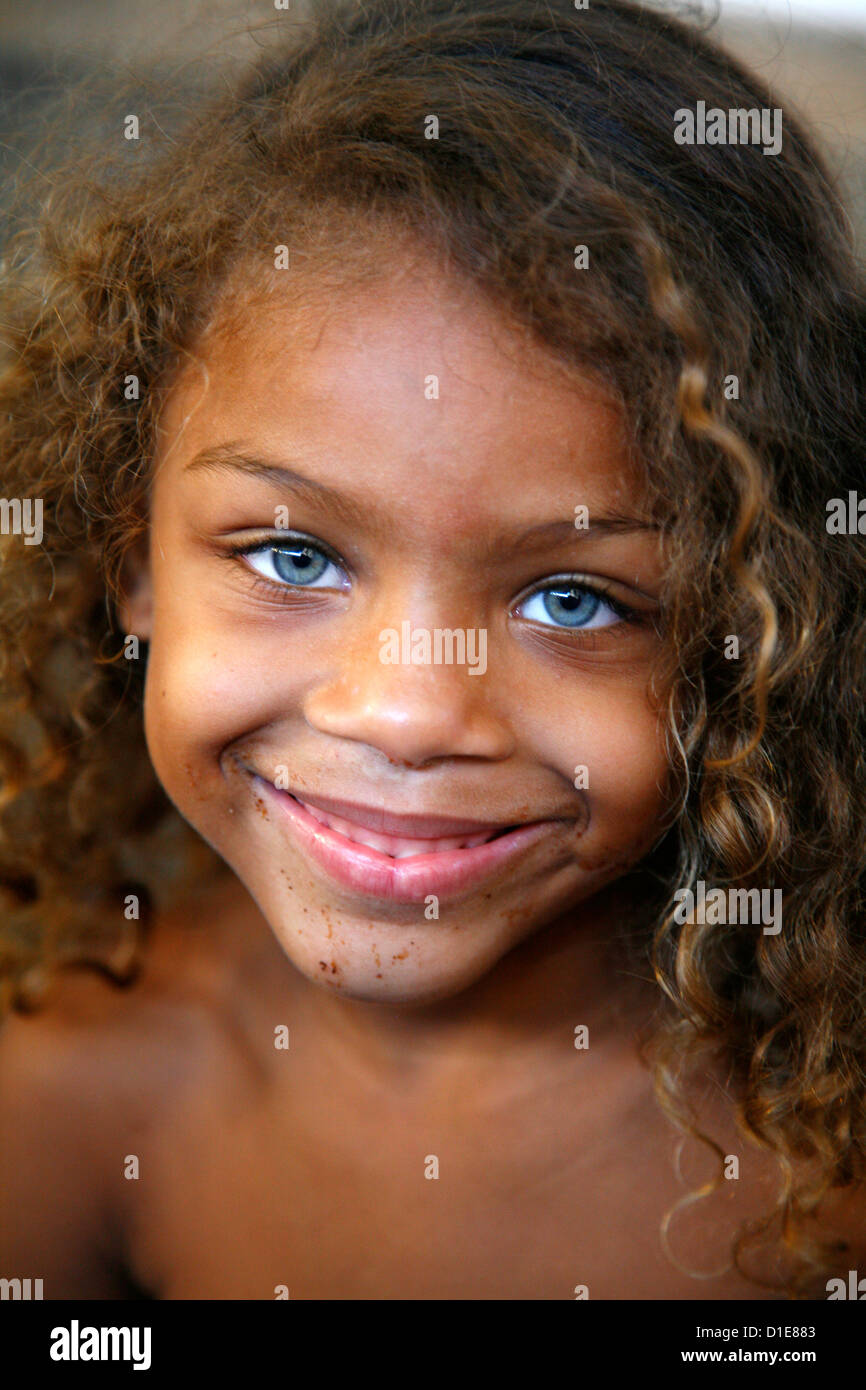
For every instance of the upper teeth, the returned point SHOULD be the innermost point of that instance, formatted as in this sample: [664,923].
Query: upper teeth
[397,846]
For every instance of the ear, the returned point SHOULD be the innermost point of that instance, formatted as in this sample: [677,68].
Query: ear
[135,607]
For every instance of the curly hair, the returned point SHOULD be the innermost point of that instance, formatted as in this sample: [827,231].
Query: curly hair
[704,264]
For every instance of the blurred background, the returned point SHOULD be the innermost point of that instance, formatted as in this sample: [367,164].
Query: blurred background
[812,51]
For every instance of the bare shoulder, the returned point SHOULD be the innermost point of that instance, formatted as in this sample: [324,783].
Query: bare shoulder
[83,1039]
[98,1063]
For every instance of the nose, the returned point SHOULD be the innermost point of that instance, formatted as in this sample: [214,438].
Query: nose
[415,711]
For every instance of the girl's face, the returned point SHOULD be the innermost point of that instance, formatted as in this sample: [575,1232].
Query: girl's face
[400,600]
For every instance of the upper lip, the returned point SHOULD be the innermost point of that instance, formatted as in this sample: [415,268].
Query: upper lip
[376,818]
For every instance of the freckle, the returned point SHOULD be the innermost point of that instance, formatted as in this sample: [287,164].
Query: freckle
[333,968]
[401,956]
[330,931]
[378,977]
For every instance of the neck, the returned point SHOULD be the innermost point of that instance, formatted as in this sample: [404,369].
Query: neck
[525,1011]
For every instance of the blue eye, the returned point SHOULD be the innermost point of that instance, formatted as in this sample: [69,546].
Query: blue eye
[571,605]
[295,562]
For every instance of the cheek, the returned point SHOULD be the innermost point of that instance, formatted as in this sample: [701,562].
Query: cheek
[631,786]
[200,698]
[605,736]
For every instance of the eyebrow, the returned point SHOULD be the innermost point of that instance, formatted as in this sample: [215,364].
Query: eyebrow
[230,457]
[222,457]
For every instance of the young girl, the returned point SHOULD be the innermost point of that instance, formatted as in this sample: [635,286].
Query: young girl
[433,758]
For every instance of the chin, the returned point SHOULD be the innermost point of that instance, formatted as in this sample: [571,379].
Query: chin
[393,992]
[352,974]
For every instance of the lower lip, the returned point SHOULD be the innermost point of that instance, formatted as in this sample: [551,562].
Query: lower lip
[445,875]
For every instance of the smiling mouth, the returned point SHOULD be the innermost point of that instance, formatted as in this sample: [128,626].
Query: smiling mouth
[399,846]
[398,857]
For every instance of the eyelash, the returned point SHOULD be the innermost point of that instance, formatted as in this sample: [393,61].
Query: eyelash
[302,541]
[598,590]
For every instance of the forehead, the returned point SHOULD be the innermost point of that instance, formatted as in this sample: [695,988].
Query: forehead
[406,379]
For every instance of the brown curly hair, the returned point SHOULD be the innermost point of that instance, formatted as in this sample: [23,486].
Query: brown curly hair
[705,262]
